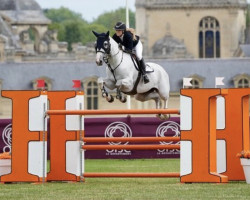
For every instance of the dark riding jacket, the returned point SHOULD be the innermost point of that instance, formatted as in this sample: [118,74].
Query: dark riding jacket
[127,41]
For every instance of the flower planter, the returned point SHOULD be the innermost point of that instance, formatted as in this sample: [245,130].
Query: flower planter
[245,162]
[5,166]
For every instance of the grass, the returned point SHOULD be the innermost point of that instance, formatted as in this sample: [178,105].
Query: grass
[127,188]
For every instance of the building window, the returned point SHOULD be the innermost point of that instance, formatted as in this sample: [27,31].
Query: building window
[242,81]
[92,95]
[47,83]
[197,82]
[209,38]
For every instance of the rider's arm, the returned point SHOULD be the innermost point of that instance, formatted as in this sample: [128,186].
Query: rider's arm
[128,42]
[116,38]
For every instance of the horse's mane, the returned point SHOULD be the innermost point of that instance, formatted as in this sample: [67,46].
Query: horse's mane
[111,39]
[114,42]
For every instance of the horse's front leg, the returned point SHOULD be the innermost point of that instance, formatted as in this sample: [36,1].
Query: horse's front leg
[125,85]
[120,96]
[110,84]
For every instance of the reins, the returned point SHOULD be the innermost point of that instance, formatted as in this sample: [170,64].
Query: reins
[108,54]
[134,90]
[106,60]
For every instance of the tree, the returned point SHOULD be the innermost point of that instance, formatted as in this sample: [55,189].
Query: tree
[87,35]
[72,33]
[71,27]
[67,23]
[59,27]
[109,19]
[63,14]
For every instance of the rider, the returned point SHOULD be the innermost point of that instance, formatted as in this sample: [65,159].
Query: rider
[130,41]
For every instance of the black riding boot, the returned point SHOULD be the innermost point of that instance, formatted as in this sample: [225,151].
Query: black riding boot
[143,71]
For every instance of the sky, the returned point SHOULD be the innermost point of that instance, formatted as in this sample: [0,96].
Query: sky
[90,9]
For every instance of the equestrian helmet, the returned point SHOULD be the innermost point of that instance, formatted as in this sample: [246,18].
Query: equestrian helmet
[120,26]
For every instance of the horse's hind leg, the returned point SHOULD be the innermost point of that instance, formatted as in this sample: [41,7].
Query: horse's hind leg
[165,116]
[147,96]
[159,106]
[158,103]
[164,95]
[165,103]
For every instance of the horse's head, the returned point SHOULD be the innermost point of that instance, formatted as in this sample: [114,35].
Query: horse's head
[102,46]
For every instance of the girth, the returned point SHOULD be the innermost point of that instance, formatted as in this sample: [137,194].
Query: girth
[136,65]
[134,90]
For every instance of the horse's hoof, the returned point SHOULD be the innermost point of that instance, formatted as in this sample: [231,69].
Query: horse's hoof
[167,116]
[163,116]
[159,116]
[111,99]
[123,100]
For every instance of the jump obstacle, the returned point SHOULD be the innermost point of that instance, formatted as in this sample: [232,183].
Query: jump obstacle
[123,147]
[214,128]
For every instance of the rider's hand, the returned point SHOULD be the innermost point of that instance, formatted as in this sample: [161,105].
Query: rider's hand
[128,50]
[121,47]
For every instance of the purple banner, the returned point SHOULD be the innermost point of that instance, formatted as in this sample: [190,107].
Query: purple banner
[6,131]
[132,127]
[117,127]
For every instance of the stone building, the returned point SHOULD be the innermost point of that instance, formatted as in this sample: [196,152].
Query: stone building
[169,29]
[191,28]
[59,76]
[24,34]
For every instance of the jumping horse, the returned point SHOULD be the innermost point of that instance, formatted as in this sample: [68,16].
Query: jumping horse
[123,74]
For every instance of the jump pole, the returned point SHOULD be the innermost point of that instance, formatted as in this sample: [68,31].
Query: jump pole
[112,112]
[130,147]
[130,139]
[133,175]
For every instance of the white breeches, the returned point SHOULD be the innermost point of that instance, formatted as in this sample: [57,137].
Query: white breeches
[138,50]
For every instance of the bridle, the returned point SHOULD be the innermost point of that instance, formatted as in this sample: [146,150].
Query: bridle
[107,54]
[106,46]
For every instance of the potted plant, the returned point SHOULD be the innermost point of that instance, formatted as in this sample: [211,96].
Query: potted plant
[5,163]
[245,162]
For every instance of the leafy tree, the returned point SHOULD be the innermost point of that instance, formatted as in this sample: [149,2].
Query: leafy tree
[106,21]
[68,24]
[60,30]
[87,34]
[72,33]
[73,28]
[63,14]
[109,19]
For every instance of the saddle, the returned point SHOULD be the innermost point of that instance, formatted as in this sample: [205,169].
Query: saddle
[137,66]
[137,62]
